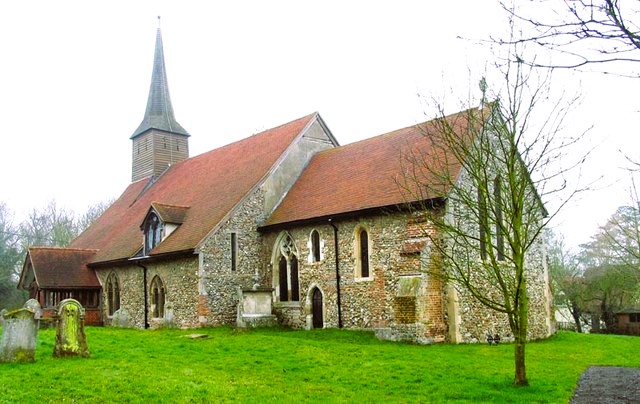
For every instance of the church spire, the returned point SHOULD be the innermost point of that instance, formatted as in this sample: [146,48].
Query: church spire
[159,112]
[160,141]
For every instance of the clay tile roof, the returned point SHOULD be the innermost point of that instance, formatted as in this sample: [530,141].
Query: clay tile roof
[366,174]
[210,184]
[57,267]
[170,213]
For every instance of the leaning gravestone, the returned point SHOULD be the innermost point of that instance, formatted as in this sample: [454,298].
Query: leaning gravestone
[70,337]
[121,319]
[19,336]
[34,306]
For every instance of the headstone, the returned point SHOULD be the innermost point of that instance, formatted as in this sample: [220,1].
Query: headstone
[121,318]
[19,336]
[70,336]
[169,319]
[34,306]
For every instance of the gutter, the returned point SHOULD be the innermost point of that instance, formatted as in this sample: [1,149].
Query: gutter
[335,242]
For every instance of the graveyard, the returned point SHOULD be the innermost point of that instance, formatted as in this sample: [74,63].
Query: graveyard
[274,364]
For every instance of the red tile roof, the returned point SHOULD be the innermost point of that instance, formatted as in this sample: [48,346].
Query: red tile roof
[57,267]
[170,213]
[367,174]
[210,185]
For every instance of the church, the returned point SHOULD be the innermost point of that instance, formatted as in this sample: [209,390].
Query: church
[322,234]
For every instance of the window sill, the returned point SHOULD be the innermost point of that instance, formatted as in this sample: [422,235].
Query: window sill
[367,279]
[287,304]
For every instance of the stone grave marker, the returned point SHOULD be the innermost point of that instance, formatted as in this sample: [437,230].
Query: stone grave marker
[34,306]
[169,320]
[70,337]
[121,318]
[19,336]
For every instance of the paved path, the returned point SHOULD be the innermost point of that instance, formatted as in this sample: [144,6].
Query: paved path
[608,384]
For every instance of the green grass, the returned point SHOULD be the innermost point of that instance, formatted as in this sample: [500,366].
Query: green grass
[294,366]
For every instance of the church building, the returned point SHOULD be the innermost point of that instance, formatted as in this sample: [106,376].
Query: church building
[323,231]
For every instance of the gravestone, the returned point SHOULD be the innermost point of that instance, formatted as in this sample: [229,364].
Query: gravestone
[169,319]
[70,336]
[121,319]
[34,306]
[19,336]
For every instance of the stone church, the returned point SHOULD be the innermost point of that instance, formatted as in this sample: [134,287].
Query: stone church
[321,232]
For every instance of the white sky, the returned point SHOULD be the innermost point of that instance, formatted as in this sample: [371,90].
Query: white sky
[74,79]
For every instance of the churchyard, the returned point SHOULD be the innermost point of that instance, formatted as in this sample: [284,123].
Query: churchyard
[264,365]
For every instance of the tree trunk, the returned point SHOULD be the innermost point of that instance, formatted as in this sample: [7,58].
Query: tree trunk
[521,369]
[576,313]
[520,335]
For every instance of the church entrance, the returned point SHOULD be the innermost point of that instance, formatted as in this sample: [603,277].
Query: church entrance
[316,308]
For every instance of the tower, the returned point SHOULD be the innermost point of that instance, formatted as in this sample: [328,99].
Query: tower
[160,140]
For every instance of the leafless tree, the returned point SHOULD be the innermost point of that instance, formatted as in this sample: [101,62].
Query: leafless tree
[494,166]
[578,33]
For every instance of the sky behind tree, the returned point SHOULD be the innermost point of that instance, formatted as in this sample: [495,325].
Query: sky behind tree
[75,77]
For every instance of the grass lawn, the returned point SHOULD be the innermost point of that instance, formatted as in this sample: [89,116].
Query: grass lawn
[293,366]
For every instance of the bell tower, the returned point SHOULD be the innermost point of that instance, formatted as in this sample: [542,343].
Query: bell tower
[160,140]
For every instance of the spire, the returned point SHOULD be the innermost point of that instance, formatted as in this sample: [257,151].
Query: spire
[159,113]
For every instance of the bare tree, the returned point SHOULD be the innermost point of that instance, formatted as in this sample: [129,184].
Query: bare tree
[92,213]
[51,226]
[9,260]
[494,167]
[578,32]
[568,284]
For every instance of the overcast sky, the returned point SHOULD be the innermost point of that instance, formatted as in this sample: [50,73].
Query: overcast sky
[75,75]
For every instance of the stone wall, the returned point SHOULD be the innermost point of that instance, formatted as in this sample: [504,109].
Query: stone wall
[180,280]
[477,320]
[218,282]
[471,321]
[368,303]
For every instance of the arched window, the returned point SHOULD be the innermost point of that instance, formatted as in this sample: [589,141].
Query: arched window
[287,281]
[152,232]
[315,246]
[362,253]
[113,293]
[158,296]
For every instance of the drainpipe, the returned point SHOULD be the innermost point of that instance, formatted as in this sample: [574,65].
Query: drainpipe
[335,242]
[146,293]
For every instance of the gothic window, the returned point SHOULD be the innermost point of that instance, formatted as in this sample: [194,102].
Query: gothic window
[158,297]
[482,224]
[491,204]
[152,232]
[113,293]
[497,194]
[315,246]
[288,282]
[362,253]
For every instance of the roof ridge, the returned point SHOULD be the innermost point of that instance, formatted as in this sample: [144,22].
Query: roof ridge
[170,205]
[63,248]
